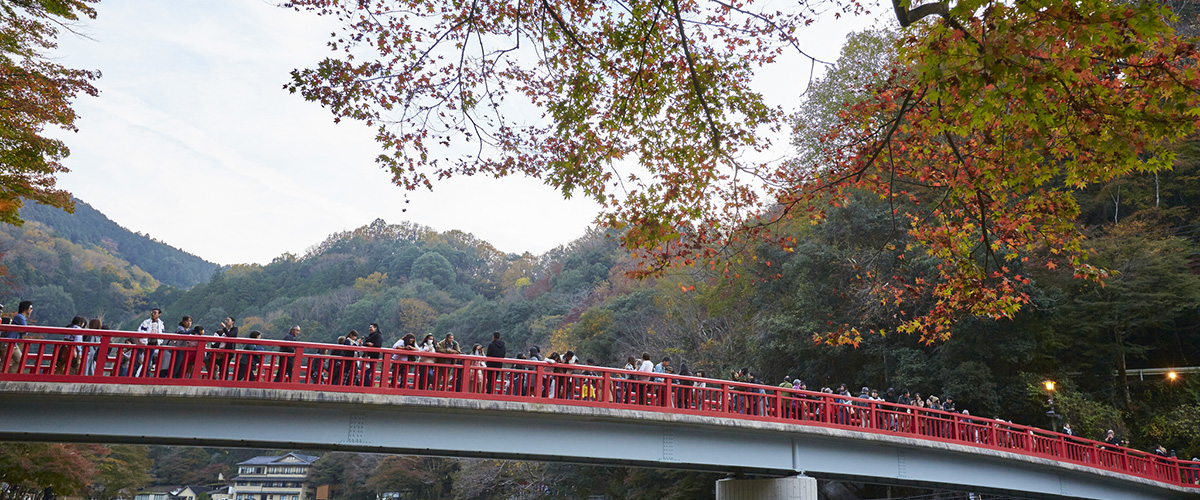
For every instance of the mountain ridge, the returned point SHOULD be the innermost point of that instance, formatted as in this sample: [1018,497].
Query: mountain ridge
[90,227]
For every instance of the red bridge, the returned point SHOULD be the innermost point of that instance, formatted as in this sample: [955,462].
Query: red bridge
[42,374]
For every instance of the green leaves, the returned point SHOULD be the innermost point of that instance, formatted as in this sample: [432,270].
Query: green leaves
[984,114]
[35,93]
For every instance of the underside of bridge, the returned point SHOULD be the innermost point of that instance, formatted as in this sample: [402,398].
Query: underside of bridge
[262,418]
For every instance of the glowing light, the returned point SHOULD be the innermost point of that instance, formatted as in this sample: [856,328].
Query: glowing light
[1049,385]
[1171,375]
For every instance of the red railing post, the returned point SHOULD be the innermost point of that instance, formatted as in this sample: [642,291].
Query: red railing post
[537,381]
[385,371]
[197,360]
[102,358]
[605,387]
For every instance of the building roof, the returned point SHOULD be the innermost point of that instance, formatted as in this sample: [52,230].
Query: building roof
[289,459]
[173,490]
[159,489]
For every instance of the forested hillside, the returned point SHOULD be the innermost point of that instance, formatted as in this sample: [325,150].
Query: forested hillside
[90,228]
[86,264]
[66,279]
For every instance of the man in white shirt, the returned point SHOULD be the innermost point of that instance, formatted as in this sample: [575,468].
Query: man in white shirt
[152,325]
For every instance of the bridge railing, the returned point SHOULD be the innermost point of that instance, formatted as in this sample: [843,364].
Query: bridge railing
[117,357]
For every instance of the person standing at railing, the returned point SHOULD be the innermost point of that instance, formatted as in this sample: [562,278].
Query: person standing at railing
[339,366]
[402,362]
[183,358]
[24,311]
[1111,450]
[125,358]
[587,388]
[285,369]
[948,406]
[66,360]
[144,360]
[374,339]
[450,346]
[644,366]
[220,360]
[495,350]
[248,365]
[550,379]
[89,362]
[566,388]
[661,367]
[683,391]
[425,370]
[350,366]
[477,368]
[862,412]
[14,351]
[623,392]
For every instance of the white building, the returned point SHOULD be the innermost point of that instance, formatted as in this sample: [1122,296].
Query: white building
[222,493]
[274,478]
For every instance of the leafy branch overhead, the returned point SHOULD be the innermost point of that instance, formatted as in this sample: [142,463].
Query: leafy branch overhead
[975,132]
[36,92]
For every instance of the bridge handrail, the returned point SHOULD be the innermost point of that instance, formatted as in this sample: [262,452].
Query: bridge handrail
[43,355]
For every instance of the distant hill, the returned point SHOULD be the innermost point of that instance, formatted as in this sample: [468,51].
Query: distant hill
[88,227]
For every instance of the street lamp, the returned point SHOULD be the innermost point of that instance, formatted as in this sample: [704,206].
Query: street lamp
[1049,385]
[1172,376]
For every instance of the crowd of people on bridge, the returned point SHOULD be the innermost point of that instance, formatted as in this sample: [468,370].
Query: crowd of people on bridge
[413,367]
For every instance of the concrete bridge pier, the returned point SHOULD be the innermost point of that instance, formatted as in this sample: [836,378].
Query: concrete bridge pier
[782,488]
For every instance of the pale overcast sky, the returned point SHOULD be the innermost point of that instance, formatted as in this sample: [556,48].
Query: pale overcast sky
[194,142]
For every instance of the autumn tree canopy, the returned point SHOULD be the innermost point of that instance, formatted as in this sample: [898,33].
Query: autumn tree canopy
[989,114]
[36,92]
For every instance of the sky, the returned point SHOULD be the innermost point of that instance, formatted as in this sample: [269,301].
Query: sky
[194,142]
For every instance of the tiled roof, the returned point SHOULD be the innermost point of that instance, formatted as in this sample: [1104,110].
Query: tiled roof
[281,460]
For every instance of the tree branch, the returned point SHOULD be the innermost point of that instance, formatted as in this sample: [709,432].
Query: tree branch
[907,17]
[696,86]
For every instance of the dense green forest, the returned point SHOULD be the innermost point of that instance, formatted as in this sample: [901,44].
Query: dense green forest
[83,263]
[89,228]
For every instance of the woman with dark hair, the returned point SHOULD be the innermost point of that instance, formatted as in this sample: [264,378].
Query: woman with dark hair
[625,390]
[89,364]
[67,360]
[476,367]
[549,381]
[400,365]
[647,366]
[426,372]
[184,358]
[248,363]
[566,383]
[683,388]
